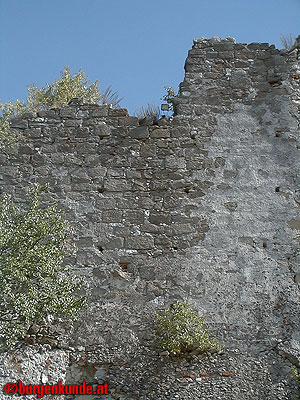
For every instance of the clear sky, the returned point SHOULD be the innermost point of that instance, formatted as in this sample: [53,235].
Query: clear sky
[137,46]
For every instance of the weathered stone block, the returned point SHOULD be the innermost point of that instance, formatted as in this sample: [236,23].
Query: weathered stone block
[82,114]
[116,243]
[134,217]
[100,111]
[115,172]
[38,159]
[151,228]
[92,160]
[102,130]
[52,114]
[128,121]
[219,162]
[68,112]
[86,241]
[230,173]
[33,133]
[98,172]
[160,218]
[240,80]
[19,123]
[25,149]
[117,185]
[118,112]
[294,224]
[73,123]
[162,240]
[29,115]
[160,133]
[145,202]
[139,242]
[163,121]
[133,174]
[82,132]
[148,150]
[179,229]
[175,162]
[124,203]
[112,216]
[86,148]
[231,205]
[226,55]
[81,179]
[141,132]
[180,131]
[58,158]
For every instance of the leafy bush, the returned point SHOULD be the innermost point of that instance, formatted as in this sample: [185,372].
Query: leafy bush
[61,91]
[9,111]
[295,373]
[181,330]
[54,94]
[169,96]
[33,285]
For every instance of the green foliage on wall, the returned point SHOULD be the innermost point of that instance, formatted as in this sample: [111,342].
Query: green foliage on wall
[33,284]
[169,97]
[55,94]
[181,330]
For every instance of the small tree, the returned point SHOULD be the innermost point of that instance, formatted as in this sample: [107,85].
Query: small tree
[169,96]
[181,330]
[33,284]
[54,94]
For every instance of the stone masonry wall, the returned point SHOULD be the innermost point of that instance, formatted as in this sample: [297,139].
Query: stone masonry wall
[204,207]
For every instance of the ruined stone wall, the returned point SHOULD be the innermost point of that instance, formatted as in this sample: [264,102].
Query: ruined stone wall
[204,207]
[242,101]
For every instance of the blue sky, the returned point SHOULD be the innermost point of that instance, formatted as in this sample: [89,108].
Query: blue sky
[137,46]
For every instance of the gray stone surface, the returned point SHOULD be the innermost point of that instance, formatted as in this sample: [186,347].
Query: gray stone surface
[205,208]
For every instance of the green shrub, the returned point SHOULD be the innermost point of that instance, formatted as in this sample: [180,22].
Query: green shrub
[53,95]
[295,373]
[181,330]
[33,285]
[9,111]
[61,91]
[169,96]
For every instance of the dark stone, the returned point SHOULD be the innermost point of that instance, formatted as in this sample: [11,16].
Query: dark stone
[19,123]
[128,121]
[160,218]
[160,133]
[118,112]
[141,132]
[147,121]
[231,205]
[102,130]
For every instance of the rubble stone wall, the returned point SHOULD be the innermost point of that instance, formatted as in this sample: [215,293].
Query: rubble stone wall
[204,207]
